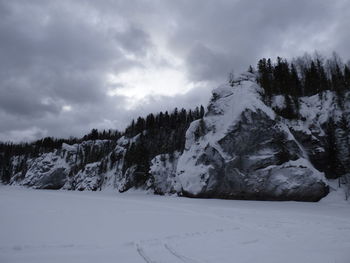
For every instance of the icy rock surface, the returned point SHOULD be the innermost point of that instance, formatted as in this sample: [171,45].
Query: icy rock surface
[311,128]
[163,173]
[241,150]
[49,171]
[55,170]
[89,178]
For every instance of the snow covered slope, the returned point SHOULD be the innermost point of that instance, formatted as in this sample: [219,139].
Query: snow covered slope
[46,226]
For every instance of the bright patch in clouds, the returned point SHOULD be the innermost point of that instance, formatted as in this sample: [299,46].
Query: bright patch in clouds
[137,84]
[67,108]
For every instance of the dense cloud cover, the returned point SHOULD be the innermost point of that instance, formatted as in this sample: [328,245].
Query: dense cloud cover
[68,66]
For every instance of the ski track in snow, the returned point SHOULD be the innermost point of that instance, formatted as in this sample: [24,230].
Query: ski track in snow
[143,255]
[179,256]
[171,255]
[159,243]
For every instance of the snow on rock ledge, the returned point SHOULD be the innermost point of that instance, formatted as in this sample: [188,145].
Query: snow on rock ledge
[163,173]
[240,150]
[49,171]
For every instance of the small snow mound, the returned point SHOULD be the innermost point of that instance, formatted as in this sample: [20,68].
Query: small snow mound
[278,102]
[122,141]
[222,91]
[69,148]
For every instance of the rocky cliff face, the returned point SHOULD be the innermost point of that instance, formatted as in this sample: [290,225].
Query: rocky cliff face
[67,167]
[240,149]
[163,177]
[313,127]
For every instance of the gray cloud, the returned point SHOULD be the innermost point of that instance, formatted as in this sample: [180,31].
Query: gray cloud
[237,33]
[134,40]
[201,60]
[55,55]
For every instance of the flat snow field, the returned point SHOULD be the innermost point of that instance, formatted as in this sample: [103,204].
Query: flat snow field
[102,227]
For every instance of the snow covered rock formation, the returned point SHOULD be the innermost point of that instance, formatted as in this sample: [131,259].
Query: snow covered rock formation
[242,150]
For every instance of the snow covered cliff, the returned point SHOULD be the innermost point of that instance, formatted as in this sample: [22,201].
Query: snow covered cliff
[242,148]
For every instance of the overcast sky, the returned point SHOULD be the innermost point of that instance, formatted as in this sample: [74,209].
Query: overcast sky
[69,66]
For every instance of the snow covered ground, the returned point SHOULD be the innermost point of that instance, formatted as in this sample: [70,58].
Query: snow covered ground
[59,226]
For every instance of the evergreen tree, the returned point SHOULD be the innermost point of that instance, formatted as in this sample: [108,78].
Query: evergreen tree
[343,142]
[251,69]
[201,112]
[334,166]
[347,77]
[288,111]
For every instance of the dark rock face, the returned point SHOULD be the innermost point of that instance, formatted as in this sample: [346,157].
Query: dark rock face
[133,177]
[254,157]
[314,145]
[45,172]
[163,173]
[54,180]
[287,182]
[59,169]
[254,134]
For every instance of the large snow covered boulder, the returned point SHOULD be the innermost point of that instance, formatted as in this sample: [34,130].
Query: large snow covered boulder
[242,150]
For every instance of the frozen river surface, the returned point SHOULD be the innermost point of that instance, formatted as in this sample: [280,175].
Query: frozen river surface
[39,226]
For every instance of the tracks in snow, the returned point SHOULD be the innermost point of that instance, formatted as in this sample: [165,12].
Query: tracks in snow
[142,254]
[168,254]
[179,256]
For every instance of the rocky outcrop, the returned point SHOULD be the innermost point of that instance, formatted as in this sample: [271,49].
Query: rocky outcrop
[242,150]
[163,178]
[62,168]
[48,171]
[312,130]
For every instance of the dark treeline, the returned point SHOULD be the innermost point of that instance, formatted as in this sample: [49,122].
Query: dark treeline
[156,134]
[48,144]
[164,121]
[303,76]
[308,76]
